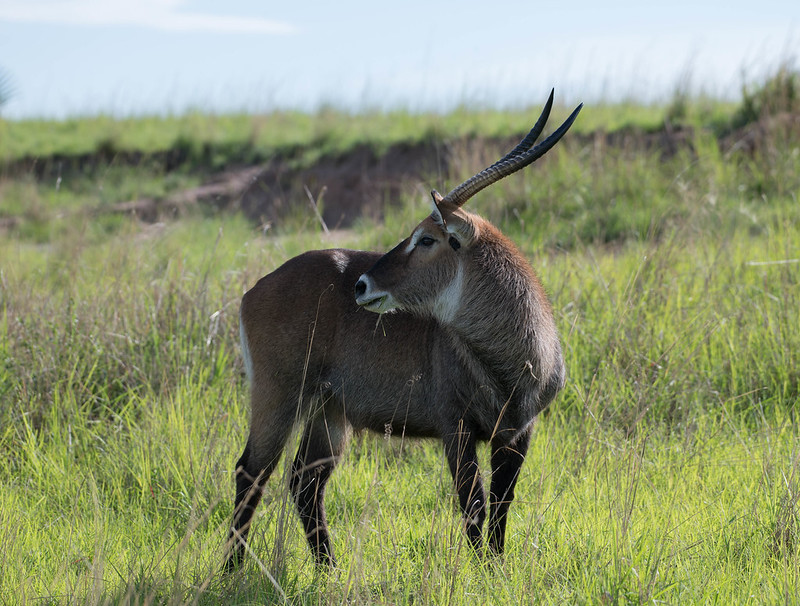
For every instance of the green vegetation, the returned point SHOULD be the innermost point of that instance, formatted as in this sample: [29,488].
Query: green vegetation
[667,471]
[215,141]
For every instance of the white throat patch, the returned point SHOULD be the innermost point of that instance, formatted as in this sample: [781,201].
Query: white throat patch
[448,302]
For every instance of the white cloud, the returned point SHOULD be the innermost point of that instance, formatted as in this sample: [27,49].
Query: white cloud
[167,15]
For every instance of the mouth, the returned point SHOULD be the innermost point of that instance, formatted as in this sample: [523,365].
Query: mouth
[374,304]
[380,305]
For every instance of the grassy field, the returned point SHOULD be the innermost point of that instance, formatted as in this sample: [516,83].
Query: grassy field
[327,131]
[668,470]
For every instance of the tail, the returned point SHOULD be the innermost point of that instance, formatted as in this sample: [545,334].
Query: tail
[246,357]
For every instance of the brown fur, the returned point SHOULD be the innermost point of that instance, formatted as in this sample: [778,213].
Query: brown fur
[319,358]
[468,353]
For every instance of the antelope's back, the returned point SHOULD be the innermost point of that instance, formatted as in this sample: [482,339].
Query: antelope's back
[304,332]
[300,304]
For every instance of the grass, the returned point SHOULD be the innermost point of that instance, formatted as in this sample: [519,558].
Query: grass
[692,516]
[668,471]
[216,140]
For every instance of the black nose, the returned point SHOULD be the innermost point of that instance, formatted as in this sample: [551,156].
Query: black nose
[361,287]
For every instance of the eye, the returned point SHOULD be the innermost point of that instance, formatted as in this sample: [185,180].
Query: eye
[426,241]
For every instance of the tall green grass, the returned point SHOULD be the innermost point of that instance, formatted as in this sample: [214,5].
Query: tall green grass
[667,471]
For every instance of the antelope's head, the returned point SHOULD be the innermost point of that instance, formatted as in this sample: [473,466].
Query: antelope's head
[425,273]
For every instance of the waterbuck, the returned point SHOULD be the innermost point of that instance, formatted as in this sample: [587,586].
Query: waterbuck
[470,354]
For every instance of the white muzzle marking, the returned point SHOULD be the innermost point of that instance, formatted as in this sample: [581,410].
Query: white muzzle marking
[373,299]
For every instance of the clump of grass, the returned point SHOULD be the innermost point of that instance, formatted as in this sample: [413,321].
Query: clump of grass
[778,94]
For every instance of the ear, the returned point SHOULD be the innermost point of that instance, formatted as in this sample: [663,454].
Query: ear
[436,215]
[461,227]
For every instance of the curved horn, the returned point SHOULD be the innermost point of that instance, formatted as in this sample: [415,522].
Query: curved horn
[519,157]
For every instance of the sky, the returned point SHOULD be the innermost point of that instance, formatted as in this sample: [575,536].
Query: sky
[68,58]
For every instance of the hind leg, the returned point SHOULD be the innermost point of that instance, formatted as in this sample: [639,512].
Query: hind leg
[507,461]
[324,439]
[269,429]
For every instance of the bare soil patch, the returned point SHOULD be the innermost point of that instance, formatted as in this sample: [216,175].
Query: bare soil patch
[363,180]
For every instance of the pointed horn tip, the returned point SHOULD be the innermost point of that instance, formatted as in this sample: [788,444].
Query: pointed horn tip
[574,115]
[437,197]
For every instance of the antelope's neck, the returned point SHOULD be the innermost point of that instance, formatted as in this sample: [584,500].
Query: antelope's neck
[497,321]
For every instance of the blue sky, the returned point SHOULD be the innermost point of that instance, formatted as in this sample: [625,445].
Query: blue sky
[78,57]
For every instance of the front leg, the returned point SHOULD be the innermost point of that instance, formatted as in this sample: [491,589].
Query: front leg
[507,460]
[462,457]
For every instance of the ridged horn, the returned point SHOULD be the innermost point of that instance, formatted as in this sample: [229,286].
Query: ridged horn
[519,157]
